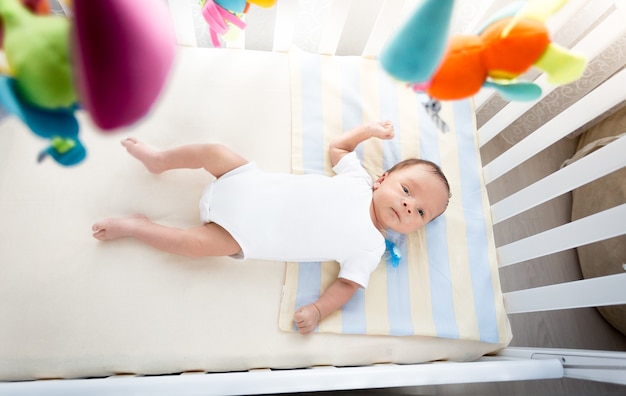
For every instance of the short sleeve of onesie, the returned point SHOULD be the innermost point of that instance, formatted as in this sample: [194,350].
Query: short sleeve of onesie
[350,166]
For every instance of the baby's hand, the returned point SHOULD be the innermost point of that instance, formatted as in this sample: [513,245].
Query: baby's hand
[382,129]
[306,318]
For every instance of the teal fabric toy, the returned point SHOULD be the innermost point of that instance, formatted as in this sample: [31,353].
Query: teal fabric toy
[59,126]
[415,51]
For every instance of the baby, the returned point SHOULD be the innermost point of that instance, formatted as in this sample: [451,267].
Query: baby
[248,213]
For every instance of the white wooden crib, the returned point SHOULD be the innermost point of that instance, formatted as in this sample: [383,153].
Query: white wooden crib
[350,27]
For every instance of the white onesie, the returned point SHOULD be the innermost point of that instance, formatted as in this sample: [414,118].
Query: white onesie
[285,217]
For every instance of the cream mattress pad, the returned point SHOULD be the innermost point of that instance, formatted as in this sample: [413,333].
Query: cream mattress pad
[71,306]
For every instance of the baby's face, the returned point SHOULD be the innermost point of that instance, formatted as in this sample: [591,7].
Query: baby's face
[407,199]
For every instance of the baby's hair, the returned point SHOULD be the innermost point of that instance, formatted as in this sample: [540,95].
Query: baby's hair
[435,169]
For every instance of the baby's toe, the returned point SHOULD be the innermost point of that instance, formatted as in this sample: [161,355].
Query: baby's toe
[100,235]
[129,142]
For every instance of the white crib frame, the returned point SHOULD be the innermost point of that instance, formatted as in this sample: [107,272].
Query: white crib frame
[511,364]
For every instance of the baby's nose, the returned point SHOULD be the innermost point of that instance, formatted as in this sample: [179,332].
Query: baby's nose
[408,209]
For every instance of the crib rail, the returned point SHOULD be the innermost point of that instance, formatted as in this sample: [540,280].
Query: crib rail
[512,364]
[602,366]
[301,380]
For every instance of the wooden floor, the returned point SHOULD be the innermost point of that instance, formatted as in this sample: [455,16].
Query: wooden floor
[579,328]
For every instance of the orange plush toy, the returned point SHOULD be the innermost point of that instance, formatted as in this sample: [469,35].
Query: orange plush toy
[510,44]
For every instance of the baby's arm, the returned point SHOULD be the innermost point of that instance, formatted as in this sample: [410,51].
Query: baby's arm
[347,141]
[333,298]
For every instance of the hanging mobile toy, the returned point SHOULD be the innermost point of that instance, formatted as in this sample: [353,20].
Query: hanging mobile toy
[37,86]
[57,64]
[512,42]
[222,15]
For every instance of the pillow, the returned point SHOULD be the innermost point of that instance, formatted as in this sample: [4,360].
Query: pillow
[608,256]
[447,282]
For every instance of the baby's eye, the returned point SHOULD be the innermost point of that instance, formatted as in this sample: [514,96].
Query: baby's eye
[421,212]
[406,190]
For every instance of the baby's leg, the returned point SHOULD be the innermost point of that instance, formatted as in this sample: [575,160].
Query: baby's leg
[207,240]
[217,159]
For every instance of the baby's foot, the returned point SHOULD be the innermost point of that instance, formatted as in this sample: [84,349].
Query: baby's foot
[381,129]
[144,153]
[114,228]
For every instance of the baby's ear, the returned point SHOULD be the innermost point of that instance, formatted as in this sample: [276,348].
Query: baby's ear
[380,180]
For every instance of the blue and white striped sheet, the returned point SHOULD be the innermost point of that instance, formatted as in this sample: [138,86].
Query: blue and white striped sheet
[447,283]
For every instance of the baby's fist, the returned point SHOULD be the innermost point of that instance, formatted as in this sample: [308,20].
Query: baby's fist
[306,318]
[383,130]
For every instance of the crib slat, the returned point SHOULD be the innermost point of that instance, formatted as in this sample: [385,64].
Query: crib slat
[285,22]
[593,292]
[183,22]
[597,227]
[386,21]
[571,8]
[334,27]
[486,9]
[591,45]
[587,108]
[595,165]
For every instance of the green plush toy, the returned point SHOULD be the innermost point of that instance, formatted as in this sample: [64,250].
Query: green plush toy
[38,55]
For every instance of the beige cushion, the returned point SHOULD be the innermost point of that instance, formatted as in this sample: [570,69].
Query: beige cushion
[604,257]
